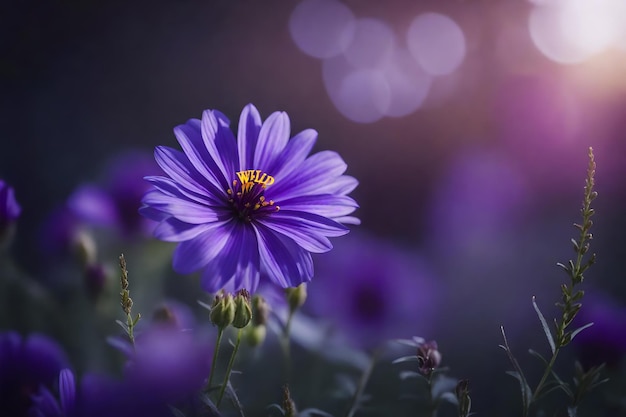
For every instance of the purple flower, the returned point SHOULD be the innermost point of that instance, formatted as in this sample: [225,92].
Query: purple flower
[115,202]
[373,291]
[248,208]
[45,405]
[25,366]
[9,208]
[167,366]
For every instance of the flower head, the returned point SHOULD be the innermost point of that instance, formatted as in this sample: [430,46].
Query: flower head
[26,364]
[373,290]
[248,207]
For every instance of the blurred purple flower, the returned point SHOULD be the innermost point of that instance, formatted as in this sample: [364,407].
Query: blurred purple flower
[480,197]
[25,366]
[9,208]
[45,405]
[115,203]
[166,366]
[605,341]
[112,204]
[373,291]
[221,200]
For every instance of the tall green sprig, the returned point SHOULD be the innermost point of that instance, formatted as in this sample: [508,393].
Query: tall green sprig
[127,303]
[570,306]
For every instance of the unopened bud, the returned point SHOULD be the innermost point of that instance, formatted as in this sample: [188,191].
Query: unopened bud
[260,311]
[223,310]
[243,310]
[84,247]
[428,357]
[255,335]
[164,315]
[296,297]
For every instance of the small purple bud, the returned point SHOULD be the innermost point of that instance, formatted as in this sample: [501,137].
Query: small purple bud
[9,212]
[428,357]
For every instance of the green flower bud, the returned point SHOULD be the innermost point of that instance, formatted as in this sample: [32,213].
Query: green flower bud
[243,310]
[255,335]
[296,297]
[260,311]
[84,247]
[223,310]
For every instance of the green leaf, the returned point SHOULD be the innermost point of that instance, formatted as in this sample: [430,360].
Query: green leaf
[580,329]
[538,355]
[411,358]
[546,329]
[176,412]
[275,409]
[518,374]
[122,325]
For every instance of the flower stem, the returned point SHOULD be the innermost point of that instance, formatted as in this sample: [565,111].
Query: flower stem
[286,342]
[545,376]
[356,400]
[229,368]
[214,361]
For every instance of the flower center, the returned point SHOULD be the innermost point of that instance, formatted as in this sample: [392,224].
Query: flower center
[247,196]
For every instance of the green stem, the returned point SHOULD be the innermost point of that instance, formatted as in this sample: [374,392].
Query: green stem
[286,342]
[546,374]
[220,331]
[229,368]
[354,406]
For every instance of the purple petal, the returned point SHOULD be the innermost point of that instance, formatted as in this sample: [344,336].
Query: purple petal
[43,359]
[184,210]
[190,139]
[238,267]
[194,254]
[44,404]
[310,176]
[248,135]
[341,185]
[67,391]
[174,230]
[348,220]
[283,260]
[309,221]
[273,138]
[220,142]
[152,213]
[175,164]
[326,205]
[294,154]
[313,242]
[174,189]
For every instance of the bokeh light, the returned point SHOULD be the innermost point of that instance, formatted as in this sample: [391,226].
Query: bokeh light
[408,83]
[361,95]
[437,43]
[573,31]
[372,43]
[322,28]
